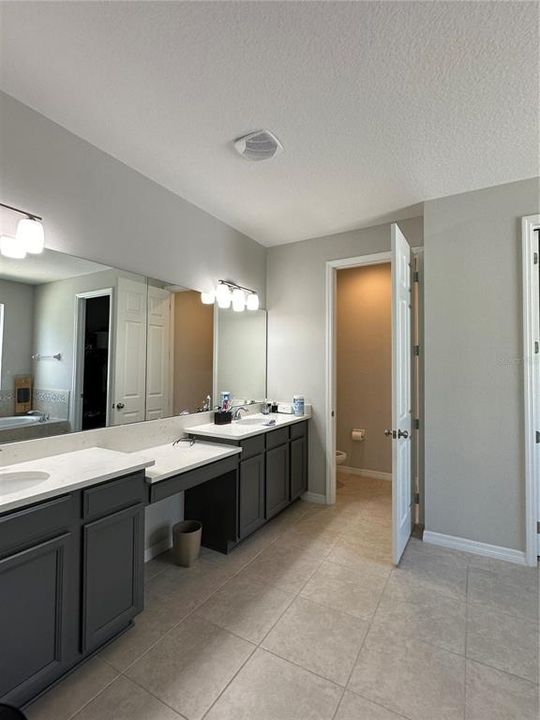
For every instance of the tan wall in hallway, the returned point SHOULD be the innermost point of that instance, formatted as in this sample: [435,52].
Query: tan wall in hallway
[193,350]
[364,364]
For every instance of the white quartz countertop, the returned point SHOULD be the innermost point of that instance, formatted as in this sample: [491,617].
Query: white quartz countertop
[172,459]
[29,482]
[248,426]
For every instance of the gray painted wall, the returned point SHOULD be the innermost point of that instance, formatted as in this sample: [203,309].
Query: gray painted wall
[96,207]
[296,297]
[18,301]
[474,437]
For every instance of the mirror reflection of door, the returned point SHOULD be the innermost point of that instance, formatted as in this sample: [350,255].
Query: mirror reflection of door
[96,362]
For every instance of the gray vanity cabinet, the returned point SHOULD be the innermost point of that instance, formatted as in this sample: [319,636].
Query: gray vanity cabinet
[38,598]
[298,467]
[112,574]
[277,479]
[251,495]
[71,578]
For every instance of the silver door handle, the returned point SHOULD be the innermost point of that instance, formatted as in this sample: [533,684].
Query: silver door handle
[403,434]
[120,406]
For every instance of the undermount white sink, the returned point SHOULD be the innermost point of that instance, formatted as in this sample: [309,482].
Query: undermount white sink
[250,421]
[14,481]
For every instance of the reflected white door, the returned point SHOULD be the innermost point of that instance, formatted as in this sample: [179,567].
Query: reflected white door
[158,396]
[401,393]
[130,353]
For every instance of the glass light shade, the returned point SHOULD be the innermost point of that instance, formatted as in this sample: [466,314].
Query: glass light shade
[12,248]
[208,298]
[252,301]
[30,234]
[223,296]
[238,300]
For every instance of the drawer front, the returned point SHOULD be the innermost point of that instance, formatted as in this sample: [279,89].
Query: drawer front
[23,527]
[113,495]
[252,446]
[299,430]
[277,437]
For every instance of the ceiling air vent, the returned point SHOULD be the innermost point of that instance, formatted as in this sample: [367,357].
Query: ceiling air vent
[258,145]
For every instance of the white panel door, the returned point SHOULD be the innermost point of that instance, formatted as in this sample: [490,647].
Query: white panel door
[401,393]
[158,396]
[130,353]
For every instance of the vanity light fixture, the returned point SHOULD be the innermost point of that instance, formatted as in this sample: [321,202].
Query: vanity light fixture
[252,302]
[10,247]
[30,236]
[228,293]
[208,298]
[223,295]
[238,300]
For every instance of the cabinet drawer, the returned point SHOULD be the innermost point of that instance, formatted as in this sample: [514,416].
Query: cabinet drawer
[299,430]
[113,495]
[252,446]
[277,437]
[23,527]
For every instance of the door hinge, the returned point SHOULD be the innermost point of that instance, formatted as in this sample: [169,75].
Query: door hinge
[536,348]
[416,276]
[538,528]
[538,436]
[417,498]
[417,423]
[535,258]
[416,349]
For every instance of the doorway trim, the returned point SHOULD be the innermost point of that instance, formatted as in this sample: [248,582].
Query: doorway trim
[78,354]
[332,266]
[531,383]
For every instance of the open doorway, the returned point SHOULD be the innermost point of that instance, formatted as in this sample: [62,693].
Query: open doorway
[93,360]
[364,400]
[402,386]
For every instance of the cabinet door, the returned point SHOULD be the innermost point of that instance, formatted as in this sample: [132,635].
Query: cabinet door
[113,567]
[251,500]
[298,467]
[277,480]
[38,617]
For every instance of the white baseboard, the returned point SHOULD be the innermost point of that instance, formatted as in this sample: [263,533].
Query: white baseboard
[478,548]
[314,498]
[154,550]
[376,474]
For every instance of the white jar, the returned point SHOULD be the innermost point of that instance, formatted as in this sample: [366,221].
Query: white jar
[298,405]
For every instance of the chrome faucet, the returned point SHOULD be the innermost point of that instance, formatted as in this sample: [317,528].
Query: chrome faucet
[237,411]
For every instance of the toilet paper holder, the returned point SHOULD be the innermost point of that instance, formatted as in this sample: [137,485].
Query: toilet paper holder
[358,434]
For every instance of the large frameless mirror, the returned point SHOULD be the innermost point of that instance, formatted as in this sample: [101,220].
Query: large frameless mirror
[85,345]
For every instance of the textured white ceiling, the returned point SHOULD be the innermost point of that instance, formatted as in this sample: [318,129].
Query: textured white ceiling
[379,105]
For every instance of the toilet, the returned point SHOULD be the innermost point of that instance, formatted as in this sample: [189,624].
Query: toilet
[340,457]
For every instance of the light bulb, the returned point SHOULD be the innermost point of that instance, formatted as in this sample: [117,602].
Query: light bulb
[252,301]
[31,236]
[223,296]
[208,298]
[238,300]
[11,247]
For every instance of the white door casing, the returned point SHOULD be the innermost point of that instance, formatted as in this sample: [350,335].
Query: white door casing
[531,381]
[130,353]
[158,362]
[401,394]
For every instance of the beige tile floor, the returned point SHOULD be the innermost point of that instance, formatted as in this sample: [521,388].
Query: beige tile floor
[308,620]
